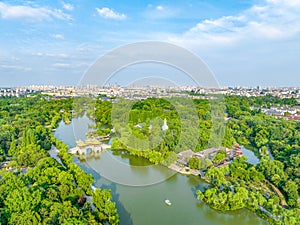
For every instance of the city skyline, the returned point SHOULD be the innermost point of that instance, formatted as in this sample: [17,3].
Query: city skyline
[244,43]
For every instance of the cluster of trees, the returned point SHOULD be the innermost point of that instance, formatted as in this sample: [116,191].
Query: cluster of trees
[219,157]
[263,132]
[275,172]
[199,126]
[269,100]
[242,185]
[105,209]
[204,163]
[37,189]
[200,163]
[103,116]
[156,157]
[25,125]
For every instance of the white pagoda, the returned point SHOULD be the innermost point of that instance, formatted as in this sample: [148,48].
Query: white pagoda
[165,126]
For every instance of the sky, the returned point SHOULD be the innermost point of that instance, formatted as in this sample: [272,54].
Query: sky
[243,42]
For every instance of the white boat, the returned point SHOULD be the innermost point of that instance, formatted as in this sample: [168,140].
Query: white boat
[168,202]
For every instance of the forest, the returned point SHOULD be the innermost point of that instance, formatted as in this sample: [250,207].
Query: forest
[35,188]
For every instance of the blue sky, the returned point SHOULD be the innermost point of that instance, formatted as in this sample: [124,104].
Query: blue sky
[244,43]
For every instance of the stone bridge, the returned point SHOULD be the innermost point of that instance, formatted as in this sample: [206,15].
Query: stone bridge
[87,148]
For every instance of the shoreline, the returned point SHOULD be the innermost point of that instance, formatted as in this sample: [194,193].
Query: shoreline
[185,171]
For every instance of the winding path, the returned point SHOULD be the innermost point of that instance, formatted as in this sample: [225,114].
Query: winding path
[278,192]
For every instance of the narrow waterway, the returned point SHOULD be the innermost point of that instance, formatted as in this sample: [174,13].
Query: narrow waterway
[139,188]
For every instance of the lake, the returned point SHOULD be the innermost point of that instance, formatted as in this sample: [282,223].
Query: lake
[139,188]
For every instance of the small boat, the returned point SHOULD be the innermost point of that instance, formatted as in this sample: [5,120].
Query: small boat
[168,202]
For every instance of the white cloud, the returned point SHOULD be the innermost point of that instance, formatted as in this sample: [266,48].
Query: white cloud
[285,2]
[110,14]
[62,65]
[258,46]
[58,36]
[67,6]
[160,12]
[89,47]
[15,67]
[274,20]
[54,55]
[83,64]
[30,13]
[159,7]
[72,65]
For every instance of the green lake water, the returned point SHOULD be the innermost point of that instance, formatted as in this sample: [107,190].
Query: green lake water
[139,189]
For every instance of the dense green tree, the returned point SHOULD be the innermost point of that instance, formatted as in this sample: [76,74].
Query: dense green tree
[219,157]
[194,163]
[45,192]
[104,207]
[291,188]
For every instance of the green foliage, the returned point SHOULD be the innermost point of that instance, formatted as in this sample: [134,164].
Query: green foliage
[219,157]
[170,157]
[291,188]
[103,116]
[229,139]
[242,185]
[45,192]
[194,163]
[217,175]
[146,118]
[225,199]
[104,208]
[281,137]
[273,170]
